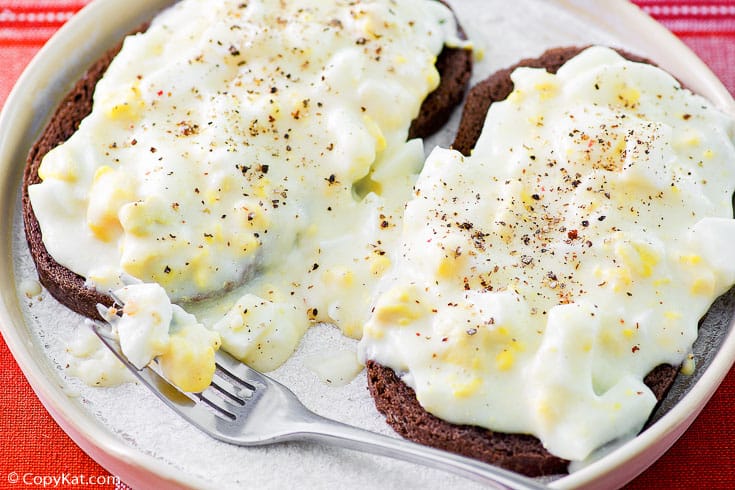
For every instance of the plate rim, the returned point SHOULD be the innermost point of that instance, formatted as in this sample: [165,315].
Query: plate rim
[138,468]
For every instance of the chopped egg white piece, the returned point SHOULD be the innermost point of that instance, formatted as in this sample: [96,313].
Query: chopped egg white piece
[260,332]
[541,278]
[144,324]
[189,360]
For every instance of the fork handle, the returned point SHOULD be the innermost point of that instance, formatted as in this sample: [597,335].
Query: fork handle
[318,428]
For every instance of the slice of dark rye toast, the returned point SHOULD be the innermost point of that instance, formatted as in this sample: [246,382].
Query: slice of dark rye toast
[454,66]
[397,401]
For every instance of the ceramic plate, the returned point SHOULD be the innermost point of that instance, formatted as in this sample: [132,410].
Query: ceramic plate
[134,436]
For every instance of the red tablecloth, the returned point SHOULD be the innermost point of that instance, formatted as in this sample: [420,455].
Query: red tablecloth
[33,447]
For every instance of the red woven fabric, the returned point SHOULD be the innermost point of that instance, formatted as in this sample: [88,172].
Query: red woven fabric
[36,451]
[32,446]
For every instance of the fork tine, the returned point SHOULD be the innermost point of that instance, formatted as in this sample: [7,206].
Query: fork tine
[223,373]
[231,392]
[213,400]
[225,396]
[239,372]
[189,408]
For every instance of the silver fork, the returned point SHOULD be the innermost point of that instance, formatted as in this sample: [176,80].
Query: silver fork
[247,408]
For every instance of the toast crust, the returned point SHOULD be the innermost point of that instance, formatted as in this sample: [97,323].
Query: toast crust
[521,453]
